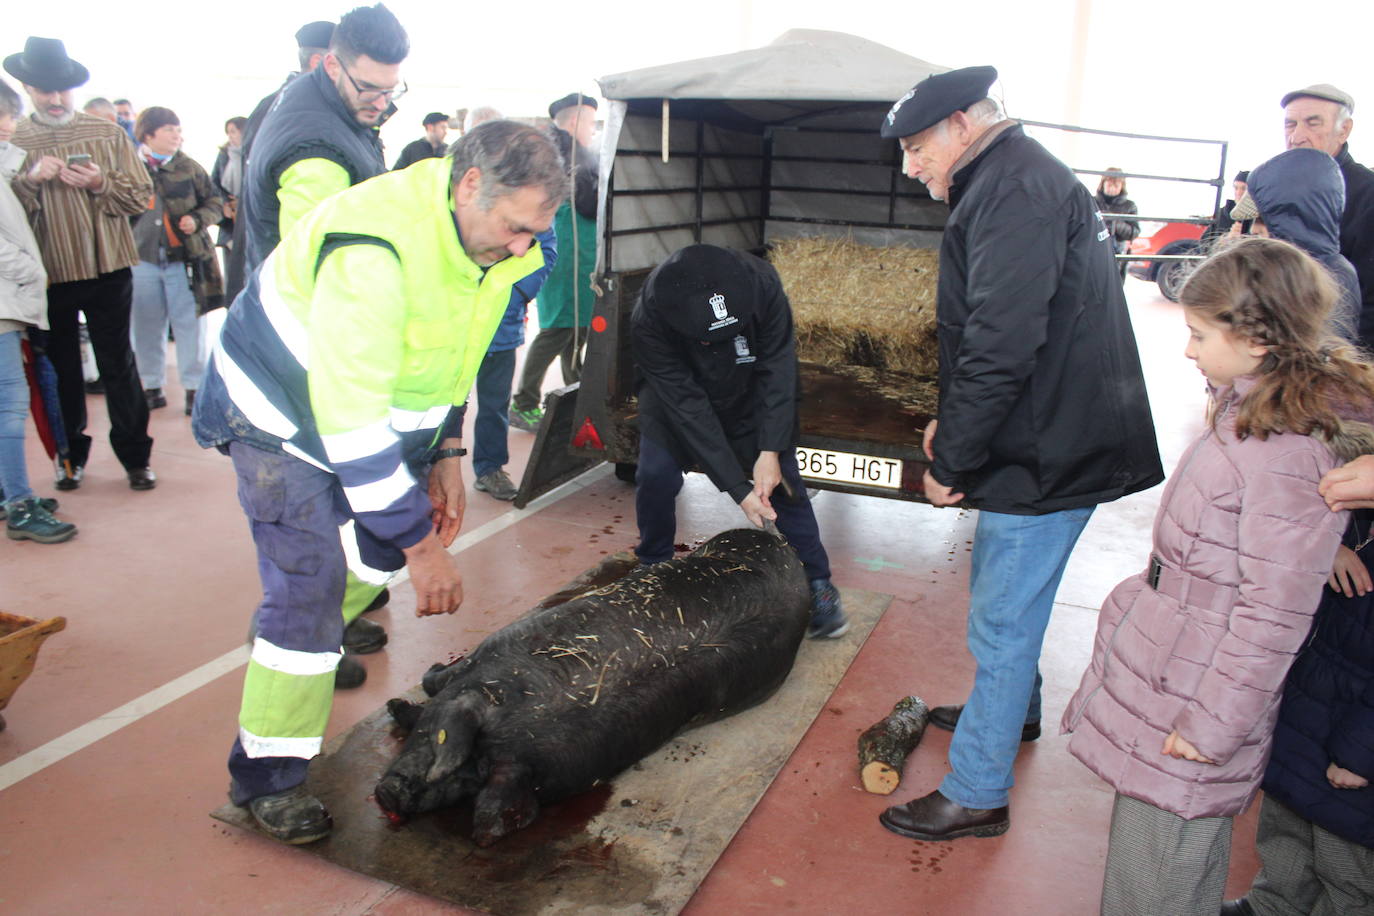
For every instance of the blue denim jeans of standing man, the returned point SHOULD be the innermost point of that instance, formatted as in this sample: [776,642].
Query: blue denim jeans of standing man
[14,413]
[1018,561]
[490,451]
[162,296]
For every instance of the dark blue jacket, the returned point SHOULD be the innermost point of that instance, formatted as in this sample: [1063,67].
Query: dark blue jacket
[1301,196]
[1328,716]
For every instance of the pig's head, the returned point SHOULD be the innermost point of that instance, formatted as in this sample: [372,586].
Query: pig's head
[436,767]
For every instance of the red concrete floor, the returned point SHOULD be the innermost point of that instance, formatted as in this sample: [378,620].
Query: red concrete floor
[142,691]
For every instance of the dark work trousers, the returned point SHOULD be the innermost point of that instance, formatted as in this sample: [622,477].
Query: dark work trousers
[659,479]
[106,301]
[294,512]
[491,428]
[547,344]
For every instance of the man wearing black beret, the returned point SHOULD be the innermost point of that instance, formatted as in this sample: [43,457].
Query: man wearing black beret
[1042,413]
[430,146]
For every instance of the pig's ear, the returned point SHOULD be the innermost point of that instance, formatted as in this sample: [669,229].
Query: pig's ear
[453,725]
[505,804]
[404,712]
[438,676]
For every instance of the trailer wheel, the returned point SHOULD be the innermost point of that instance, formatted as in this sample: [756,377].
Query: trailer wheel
[1172,274]
[625,471]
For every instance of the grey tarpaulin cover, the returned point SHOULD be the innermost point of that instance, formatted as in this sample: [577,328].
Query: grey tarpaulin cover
[833,85]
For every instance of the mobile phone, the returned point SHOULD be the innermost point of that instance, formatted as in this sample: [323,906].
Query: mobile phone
[79,159]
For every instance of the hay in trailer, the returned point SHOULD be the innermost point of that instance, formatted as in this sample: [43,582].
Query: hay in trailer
[859,305]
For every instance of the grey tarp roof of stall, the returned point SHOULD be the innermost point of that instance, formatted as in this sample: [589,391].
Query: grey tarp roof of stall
[801,64]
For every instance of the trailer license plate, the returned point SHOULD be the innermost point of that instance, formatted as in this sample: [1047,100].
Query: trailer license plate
[847,467]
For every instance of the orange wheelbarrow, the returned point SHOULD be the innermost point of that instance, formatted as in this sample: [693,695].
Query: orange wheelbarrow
[20,640]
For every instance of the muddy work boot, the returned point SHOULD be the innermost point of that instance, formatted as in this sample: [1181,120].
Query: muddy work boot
[827,617]
[496,484]
[363,637]
[27,520]
[349,674]
[294,816]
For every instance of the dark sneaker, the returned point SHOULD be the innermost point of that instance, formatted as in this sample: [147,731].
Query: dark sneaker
[349,674]
[498,484]
[155,398]
[27,520]
[70,481]
[142,479]
[947,717]
[363,637]
[47,502]
[294,816]
[528,420]
[827,617]
[190,401]
[379,602]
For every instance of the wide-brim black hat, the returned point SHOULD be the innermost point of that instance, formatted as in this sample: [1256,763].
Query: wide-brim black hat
[44,64]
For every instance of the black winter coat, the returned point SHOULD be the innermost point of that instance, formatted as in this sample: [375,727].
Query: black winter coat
[715,399]
[307,121]
[1042,401]
[1123,230]
[1327,716]
[1357,235]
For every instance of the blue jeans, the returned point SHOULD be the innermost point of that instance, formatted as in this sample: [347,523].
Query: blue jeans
[489,431]
[1018,561]
[14,412]
[162,296]
[658,480]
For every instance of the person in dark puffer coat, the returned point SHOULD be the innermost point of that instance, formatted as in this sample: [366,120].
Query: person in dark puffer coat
[1316,826]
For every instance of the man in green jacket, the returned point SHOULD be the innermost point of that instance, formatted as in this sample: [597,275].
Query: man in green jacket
[333,388]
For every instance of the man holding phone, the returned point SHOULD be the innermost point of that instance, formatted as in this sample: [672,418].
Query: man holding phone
[82,176]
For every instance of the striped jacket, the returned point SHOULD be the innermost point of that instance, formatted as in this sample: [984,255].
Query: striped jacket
[351,344]
[83,234]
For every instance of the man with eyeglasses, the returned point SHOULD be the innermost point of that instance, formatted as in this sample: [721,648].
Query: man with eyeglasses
[319,138]
[321,135]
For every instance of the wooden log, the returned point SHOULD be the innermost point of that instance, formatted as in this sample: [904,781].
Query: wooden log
[885,746]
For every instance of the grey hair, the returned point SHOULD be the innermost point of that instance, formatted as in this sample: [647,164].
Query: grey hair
[10,102]
[99,103]
[481,115]
[985,111]
[1343,114]
[510,156]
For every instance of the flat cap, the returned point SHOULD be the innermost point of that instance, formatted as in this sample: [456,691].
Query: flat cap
[434,117]
[315,34]
[937,97]
[570,100]
[1321,91]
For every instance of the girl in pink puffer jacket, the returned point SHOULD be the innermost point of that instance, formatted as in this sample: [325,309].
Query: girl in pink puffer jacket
[1177,708]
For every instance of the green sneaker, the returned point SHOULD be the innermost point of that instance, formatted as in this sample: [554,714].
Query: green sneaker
[28,520]
[528,420]
[47,502]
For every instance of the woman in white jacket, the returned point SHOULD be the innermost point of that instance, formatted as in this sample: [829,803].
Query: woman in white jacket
[23,305]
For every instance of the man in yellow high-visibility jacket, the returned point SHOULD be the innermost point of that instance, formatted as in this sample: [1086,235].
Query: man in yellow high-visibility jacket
[332,388]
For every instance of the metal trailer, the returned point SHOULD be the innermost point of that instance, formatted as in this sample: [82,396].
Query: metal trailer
[739,151]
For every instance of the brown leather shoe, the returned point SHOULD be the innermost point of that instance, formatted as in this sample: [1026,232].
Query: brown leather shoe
[935,817]
[947,717]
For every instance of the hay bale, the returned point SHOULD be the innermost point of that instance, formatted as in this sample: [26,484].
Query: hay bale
[859,305]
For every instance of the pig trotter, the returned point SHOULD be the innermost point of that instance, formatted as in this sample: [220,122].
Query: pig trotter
[505,804]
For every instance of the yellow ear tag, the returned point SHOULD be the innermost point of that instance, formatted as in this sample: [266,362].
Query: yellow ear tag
[443,736]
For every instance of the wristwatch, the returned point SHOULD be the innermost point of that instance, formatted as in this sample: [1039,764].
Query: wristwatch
[439,454]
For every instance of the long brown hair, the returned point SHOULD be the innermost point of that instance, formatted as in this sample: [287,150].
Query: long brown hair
[1311,382]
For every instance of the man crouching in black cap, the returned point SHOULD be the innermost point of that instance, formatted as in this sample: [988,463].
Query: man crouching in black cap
[716,375]
[1042,414]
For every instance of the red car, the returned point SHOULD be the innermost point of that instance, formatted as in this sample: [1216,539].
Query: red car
[1171,238]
